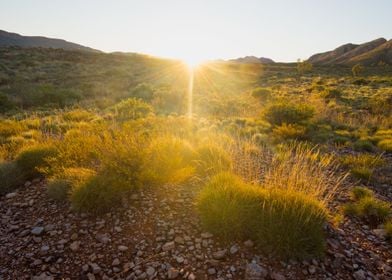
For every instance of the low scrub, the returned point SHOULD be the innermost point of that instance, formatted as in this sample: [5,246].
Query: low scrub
[99,194]
[367,207]
[167,161]
[385,145]
[33,160]
[289,132]
[61,185]
[285,223]
[362,166]
[10,176]
[211,159]
[289,113]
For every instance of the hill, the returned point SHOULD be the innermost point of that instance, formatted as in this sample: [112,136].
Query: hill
[370,54]
[253,59]
[8,39]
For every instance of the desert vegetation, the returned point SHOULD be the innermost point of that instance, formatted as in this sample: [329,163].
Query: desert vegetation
[269,152]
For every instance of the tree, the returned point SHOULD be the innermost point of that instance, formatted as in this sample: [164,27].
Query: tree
[304,67]
[357,69]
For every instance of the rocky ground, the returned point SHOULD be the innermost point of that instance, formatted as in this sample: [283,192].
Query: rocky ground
[158,236]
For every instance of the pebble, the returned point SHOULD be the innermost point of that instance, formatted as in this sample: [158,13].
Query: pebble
[75,246]
[219,255]
[168,246]
[11,195]
[254,271]
[37,230]
[122,248]
[172,273]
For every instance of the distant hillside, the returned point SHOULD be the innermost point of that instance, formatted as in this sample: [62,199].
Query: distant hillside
[369,53]
[253,59]
[8,39]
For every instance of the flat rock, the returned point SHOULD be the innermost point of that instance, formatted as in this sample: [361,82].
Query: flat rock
[37,230]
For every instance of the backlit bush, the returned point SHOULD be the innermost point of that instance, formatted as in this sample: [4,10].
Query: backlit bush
[211,159]
[168,160]
[289,113]
[98,194]
[33,159]
[285,223]
[11,177]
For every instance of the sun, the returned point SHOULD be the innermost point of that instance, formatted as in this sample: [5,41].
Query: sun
[193,61]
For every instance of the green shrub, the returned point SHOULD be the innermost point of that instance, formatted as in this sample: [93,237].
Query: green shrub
[370,209]
[388,230]
[10,177]
[362,165]
[168,161]
[361,192]
[363,145]
[78,115]
[211,159]
[60,186]
[10,128]
[385,145]
[279,113]
[32,160]
[289,132]
[331,93]
[285,223]
[263,94]
[98,194]
[131,109]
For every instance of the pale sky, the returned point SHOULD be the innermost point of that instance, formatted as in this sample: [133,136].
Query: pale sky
[203,29]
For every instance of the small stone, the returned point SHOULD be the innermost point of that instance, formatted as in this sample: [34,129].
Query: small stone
[254,271]
[249,243]
[359,275]
[95,268]
[234,249]
[11,195]
[277,276]
[219,255]
[211,271]
[43,276]
[150,271]
[191,276]
[380,232]
[206,235]
[179,240]
[172,273]
[74,246]
[37,230]
[116,262]
[122,248]
[74,236]
[168,246]
[90,276]
[312,269]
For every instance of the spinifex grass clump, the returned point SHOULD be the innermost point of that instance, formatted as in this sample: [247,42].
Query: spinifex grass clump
[211,159]
[362,166]
[367,207]
[301,168]
[286,223]
[33,159]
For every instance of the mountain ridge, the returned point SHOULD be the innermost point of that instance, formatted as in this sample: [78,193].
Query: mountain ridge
[9,39]
[370,53]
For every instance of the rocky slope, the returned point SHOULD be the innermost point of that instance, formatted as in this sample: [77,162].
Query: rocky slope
[8,39]
[253,59]
[369,53]
[159,236]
